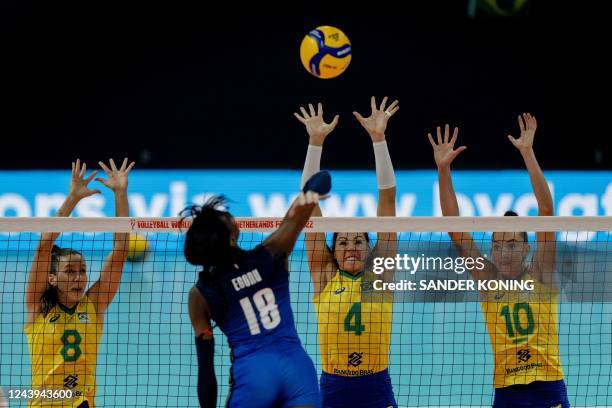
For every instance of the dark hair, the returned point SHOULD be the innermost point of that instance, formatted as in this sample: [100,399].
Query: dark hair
[511,213]
[208,240]
[208,243]
[50,297]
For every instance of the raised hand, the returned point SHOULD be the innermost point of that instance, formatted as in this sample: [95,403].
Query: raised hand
[117,178]
[306,200]
[78,184]
[444,150]
[528,125]
[316,127]
[376,123]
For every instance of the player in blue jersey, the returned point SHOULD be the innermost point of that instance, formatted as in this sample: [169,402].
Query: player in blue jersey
[246,293]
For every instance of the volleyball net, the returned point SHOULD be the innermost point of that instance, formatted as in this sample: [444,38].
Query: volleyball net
[446,337]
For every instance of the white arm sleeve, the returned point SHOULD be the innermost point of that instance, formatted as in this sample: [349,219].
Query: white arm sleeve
[384,168]
[312,165]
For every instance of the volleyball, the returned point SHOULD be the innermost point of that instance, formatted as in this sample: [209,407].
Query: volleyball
[137,248]
[325,52]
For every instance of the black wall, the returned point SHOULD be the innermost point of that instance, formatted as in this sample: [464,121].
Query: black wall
[193,88]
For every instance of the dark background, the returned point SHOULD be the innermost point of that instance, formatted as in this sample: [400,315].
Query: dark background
[176,87]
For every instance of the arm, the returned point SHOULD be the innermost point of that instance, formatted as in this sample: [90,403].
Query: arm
[320,259]
[376,125]
[205,348]
[282,241]
[444,154]
[386,241]
[103,291]
[37,280]
[543,265]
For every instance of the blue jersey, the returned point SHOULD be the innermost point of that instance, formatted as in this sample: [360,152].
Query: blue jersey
[251,303]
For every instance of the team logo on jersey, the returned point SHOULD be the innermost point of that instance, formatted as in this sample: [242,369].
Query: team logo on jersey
[83,318]
[71,381]
[523,355]
[340,290]
[355,359]
[54,318]
[367,286]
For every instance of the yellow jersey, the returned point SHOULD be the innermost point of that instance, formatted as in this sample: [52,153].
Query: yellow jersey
[523,328]
[354,335]
[63,353]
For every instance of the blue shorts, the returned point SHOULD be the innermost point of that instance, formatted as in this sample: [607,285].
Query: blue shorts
[277,376]
[538,394]
[368,391]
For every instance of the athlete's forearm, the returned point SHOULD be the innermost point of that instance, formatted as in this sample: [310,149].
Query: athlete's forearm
[291,227]
[67,206]
[448,198]
[283,239]
[48,239]
[207,379]
[538,183]
[385,175]
[121,210]
[312,163]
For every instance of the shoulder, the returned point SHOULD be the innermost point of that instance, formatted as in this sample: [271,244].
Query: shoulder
[39,318]
[246,258]
[86,311]
[268,252]
[265,258]
[542,289]
[334,276]
[86,304]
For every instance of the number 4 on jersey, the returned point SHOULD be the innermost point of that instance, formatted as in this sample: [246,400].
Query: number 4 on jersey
[354,313]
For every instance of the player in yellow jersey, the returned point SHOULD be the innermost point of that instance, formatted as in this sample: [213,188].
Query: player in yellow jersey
[64,317]
[354,326]
[523,326]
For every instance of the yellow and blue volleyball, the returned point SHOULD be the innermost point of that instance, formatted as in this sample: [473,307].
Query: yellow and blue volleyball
[137,248]
[325,52]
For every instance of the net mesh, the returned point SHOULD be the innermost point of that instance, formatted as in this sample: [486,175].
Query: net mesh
[437,341]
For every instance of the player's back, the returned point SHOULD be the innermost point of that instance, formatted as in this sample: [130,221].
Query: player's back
[250,302]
